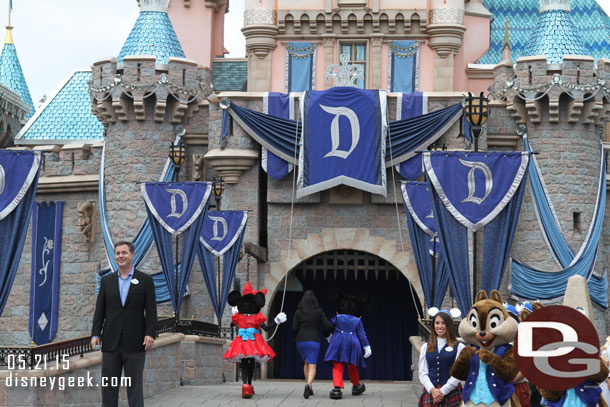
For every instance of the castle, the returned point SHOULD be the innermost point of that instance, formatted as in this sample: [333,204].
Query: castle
[551,84]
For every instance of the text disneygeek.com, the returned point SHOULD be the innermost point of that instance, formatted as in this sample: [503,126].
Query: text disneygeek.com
[18,376]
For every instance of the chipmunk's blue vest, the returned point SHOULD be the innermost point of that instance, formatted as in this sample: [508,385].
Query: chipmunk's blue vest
[585,394]
[498,388]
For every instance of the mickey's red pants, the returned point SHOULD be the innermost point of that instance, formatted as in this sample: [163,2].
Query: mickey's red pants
[352,372]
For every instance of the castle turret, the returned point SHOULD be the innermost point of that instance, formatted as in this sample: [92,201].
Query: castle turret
[11,74]
[558,94]
[446,29]
[144,98]
[260,29]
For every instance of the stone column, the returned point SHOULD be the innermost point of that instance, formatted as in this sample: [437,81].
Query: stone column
[446,29]
[376,41]
[329,53]
[260,29]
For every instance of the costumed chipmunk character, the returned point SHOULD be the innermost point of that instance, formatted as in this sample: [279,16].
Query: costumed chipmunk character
[586,394]
[488,368]
[249,346]
[348,341]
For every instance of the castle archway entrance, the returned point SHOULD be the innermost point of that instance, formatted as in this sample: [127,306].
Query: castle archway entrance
[388,324]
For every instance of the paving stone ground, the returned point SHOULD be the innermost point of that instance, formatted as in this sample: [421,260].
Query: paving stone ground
[271,393]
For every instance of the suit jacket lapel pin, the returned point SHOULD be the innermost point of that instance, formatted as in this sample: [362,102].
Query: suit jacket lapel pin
[134,281]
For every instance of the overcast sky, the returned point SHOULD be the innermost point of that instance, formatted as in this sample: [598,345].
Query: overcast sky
[54,37]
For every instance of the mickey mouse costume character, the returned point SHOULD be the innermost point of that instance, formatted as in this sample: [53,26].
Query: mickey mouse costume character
[249,345]
[348,340]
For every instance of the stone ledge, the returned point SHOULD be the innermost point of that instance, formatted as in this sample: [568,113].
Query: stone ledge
[204,339]
[68,183]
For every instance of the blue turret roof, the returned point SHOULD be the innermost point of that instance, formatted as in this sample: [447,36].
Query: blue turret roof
[65,117]
[589,19]
[152,34]
[11,74]
[555,36]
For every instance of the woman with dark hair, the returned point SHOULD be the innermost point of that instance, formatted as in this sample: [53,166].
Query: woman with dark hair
[306,323]
[435,361]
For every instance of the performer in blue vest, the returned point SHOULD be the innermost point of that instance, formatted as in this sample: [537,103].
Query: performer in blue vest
[435,360]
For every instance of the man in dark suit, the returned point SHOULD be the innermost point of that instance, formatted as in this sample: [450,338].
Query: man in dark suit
[126,320]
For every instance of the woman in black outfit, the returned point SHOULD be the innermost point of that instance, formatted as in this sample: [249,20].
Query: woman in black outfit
[306,323]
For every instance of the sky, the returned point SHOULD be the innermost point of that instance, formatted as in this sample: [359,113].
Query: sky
[55,37]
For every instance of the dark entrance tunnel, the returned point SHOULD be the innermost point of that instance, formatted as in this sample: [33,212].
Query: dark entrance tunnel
[388,324]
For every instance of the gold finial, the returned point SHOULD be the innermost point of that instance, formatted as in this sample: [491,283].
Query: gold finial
[9,35]
[506,42]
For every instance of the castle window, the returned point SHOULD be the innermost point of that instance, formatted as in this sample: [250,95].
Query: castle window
[357,52]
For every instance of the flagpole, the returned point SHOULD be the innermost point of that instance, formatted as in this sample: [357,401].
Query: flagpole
[10,8]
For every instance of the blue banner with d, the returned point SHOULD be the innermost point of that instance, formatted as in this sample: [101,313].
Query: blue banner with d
[176,208]
[46,260]
[222,235]
[343,140]
[19,172]
[472,191]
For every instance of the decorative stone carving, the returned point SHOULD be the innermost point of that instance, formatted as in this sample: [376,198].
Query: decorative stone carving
[345,74]
[259,16]
[231,162]
[198,167]
[447,15]
[85,220]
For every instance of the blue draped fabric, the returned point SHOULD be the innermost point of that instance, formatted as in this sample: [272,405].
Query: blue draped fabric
[144,238]
[15,221]
[498,241]
[413,168]
[453,239]
[405,136]
[434,285]
[225,125]
[208,269]
[531,283]
[169,216]
[403,66]
[229,247]
[279,105]
[46,261]
[300,57]
[410,135]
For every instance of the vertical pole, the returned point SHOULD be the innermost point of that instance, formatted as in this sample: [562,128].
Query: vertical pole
[177,174]
[218,272]
[433,271]
[476,131]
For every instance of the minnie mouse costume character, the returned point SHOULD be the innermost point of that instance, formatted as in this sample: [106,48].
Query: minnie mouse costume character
[249,345]
[348,340]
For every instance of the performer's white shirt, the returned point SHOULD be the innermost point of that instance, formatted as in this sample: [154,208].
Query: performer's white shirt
[452,383]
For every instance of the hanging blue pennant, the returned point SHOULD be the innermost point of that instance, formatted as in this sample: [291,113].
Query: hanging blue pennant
[222,235]
[18,183]
[416,197]
[221,229]
[175,208]
[17,172]
[176,205]
[343,140]
[46,260]
[475,187]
